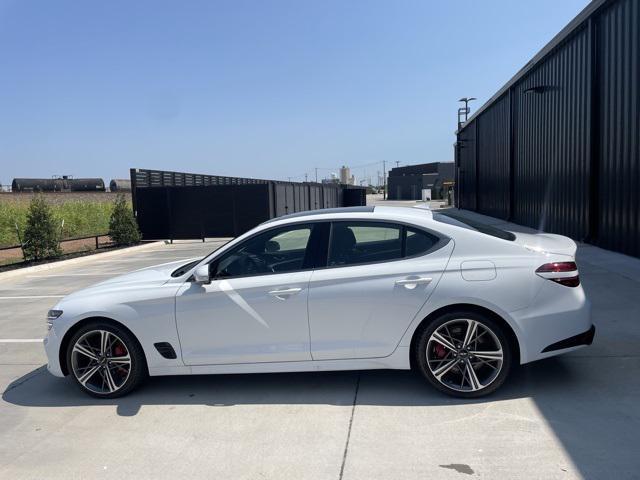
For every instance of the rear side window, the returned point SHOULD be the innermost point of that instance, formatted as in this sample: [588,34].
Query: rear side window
[418,242]
[364,242]
[354,243]
[460,221]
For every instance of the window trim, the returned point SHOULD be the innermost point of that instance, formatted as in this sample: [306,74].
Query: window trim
[320,259]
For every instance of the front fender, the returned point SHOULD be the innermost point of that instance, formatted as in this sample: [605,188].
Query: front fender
[148,313]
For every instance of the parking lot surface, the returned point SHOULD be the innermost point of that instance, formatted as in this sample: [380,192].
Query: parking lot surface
[575,416]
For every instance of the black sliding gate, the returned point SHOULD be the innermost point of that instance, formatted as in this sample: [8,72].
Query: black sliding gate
[172,205]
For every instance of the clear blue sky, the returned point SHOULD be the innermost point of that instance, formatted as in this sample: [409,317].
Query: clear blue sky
[265,89]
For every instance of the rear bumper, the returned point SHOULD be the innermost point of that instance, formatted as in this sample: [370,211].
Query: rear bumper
[557,322]
[582,339]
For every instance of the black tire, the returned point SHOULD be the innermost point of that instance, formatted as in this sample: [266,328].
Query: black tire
[452,319]
[137,368]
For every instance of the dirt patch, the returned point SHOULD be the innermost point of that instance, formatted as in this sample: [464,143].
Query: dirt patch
[69,248]
[57,198]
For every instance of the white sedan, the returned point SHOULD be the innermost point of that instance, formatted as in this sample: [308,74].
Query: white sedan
[340,289]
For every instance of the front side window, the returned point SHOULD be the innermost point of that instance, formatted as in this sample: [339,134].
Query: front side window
[276,251]
[364,242]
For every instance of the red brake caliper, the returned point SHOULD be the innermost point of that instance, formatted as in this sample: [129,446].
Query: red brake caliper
[439,350]
[119,351]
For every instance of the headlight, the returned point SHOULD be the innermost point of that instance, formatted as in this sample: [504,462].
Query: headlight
[51,316]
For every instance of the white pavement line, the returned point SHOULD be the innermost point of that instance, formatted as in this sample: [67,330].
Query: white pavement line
[141,259]
[20,297]
[20,340]
[45,275]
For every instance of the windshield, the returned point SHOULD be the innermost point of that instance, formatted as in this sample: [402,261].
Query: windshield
[460,221]
[188,266]
[185,268]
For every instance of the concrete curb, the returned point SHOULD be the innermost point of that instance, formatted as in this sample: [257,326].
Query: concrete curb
[76,261]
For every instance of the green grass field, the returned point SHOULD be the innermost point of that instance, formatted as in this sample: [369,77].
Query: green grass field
[81,218]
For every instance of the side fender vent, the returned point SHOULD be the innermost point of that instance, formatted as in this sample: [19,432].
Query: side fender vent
[166,350]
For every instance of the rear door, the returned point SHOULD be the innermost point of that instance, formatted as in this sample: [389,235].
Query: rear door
[378,276]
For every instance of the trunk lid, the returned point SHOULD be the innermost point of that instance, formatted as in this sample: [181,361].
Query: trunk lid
[547,243]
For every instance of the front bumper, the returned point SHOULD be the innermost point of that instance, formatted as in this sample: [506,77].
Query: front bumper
[52,349]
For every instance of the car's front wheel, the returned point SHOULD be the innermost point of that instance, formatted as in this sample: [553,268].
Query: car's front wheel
[105,360]
[464,354]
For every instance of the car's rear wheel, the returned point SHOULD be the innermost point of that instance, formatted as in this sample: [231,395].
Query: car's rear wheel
[105,360]
[464,354]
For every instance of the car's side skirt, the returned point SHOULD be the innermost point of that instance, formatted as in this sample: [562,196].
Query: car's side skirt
[398,360]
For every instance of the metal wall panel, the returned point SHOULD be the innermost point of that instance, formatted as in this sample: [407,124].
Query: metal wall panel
[400,187]
[419,169]
[315,194]
[202,211]
[571,134]
[354,197]
[280,191]
[301,197]
[619,119]
[551,165]
[467,166]
[330,196]
[493,159]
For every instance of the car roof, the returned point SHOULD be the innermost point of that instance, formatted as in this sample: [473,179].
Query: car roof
[322,211]
[368,211]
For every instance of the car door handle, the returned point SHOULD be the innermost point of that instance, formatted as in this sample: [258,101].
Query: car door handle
[414,281]
[285,292]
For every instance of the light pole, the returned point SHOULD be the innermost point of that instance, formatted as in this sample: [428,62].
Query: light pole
[464,110]
[384,180]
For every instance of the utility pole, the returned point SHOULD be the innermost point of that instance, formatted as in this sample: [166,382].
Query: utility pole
[305,177]
[397,163]
[316,174]
[384,180]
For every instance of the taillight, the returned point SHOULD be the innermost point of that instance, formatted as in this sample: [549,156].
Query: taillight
[564,273]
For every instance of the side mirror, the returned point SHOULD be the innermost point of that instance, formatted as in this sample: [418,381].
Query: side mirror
[201,275]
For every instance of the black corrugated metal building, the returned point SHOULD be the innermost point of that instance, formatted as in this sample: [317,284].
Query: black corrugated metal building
[558,147]
[406,183]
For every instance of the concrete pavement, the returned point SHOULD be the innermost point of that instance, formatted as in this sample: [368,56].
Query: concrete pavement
[576,416]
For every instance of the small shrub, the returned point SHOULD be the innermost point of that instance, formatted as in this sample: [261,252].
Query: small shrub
[123,228]
[40,234]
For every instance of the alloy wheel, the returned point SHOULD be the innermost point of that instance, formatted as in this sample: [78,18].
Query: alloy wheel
[101,362]
[464,355]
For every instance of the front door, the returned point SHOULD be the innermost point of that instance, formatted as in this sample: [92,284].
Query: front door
[255,308]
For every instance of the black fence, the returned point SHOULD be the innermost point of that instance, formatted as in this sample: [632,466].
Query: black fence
[173,205]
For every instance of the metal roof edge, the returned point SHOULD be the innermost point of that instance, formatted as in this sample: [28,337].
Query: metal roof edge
[569,29]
